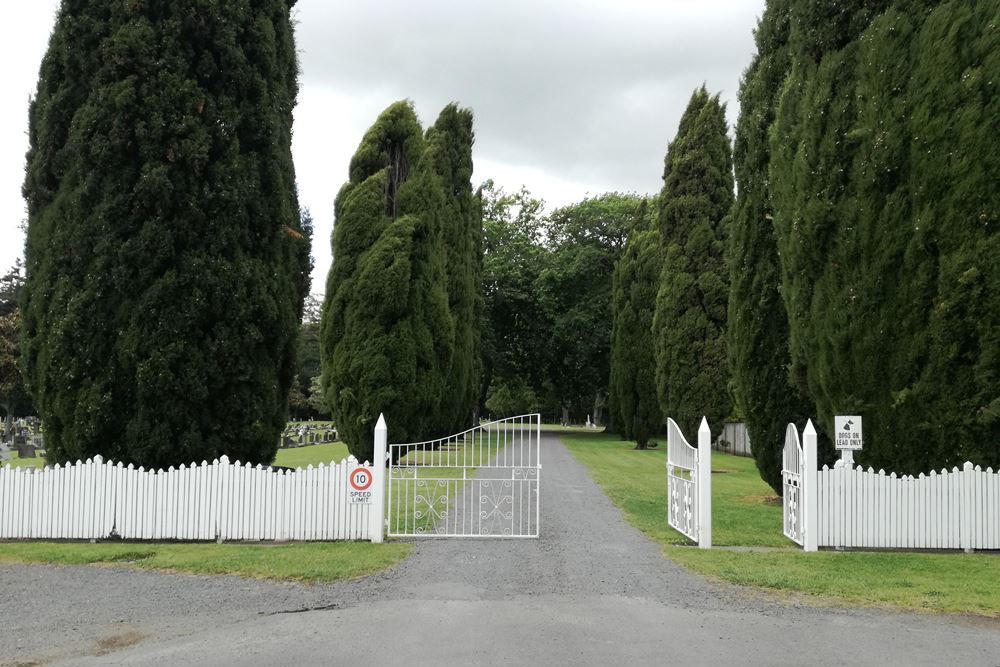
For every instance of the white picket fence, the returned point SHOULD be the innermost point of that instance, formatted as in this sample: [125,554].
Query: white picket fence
[218,501]
[858,508]
[689,483]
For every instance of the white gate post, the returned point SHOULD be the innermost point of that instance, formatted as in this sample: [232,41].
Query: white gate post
[704,485]
[376,525]
[809,490]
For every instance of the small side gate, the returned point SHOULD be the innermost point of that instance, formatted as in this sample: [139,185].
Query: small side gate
[483,482]
[689,484]
[791,485]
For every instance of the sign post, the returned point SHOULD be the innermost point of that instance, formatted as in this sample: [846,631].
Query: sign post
[849,437]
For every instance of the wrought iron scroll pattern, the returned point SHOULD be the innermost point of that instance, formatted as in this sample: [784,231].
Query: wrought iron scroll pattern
[483,482]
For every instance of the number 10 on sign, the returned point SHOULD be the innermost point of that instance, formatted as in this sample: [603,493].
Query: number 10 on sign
[359,490]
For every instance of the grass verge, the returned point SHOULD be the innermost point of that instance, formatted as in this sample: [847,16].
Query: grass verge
[747,513]
[310,563]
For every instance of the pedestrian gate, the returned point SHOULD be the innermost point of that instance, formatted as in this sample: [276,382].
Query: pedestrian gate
[483,482]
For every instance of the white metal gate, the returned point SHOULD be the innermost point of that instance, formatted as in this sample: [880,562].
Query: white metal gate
[689,483]
[483,482]
[791,485]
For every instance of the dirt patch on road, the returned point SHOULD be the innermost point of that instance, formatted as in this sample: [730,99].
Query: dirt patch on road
[118,641]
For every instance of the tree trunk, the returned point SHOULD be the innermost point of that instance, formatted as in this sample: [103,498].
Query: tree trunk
[598,409]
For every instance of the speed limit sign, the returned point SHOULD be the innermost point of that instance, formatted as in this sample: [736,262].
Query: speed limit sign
[361,480]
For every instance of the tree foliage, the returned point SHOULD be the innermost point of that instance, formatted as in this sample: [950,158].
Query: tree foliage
[633,364]
[757,325]
[514,322]
[883,170]
[450,142]
[690,319]
[388,333]
[583,243]
[166,263]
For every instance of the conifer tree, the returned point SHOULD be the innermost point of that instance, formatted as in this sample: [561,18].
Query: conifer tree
[450,143]
[164,256]
[883,184]
[757,325]
[690,319]
[633,366]
[387,335]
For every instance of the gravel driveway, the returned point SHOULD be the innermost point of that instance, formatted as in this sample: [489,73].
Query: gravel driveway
[591,590]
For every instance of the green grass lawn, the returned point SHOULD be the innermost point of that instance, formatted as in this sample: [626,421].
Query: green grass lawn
[17,462]
[300,457]
[559,428]
[306,562]
[747,513]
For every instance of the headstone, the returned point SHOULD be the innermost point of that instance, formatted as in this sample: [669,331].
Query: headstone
[26,451]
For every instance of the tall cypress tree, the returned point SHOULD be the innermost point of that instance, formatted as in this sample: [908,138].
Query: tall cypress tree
[757,325]
[387,336]
[164,257]
[450,143]
[633,375]
[690,320]
[883,184]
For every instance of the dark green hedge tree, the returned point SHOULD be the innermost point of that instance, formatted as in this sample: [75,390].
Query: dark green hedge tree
[165,264]
[883,182]
[692,376]
[388,335]
[450,142]
[757,325]
[633,364]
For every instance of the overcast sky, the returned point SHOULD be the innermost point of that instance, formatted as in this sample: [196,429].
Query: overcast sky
[571,97]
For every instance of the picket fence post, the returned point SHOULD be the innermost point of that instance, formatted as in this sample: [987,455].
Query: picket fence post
[704,485]
[966,523]
[810,490]
[376,525]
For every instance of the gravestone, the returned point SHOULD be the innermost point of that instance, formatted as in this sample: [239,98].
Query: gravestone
[25,450]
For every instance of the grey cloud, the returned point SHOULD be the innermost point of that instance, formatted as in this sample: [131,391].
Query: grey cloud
[588,90]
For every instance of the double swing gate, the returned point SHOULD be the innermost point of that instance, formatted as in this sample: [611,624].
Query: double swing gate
[483,482]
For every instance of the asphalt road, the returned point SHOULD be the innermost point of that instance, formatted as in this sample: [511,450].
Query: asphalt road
[590,591]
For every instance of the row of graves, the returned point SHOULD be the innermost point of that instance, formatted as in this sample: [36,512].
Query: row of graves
[303,434]
[23,436]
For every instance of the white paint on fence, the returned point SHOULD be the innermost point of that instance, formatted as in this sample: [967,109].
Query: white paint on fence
[791,485]
[689,483]
[217,501]
[856,508]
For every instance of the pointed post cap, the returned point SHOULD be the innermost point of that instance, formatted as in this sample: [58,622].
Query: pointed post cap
[380,425]
[809,429]
[704,425]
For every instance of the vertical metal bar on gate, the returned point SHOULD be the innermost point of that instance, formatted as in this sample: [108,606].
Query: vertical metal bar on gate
[478,492]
